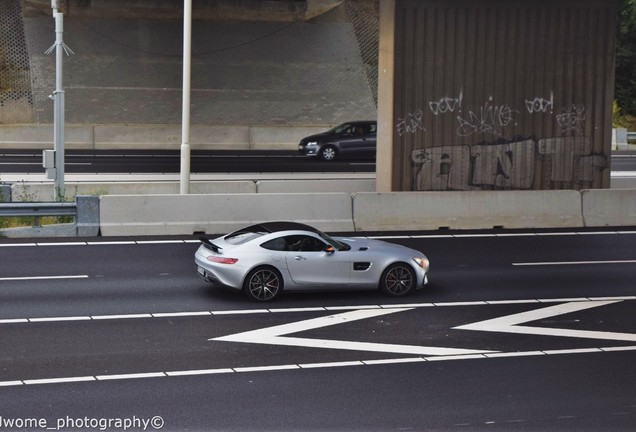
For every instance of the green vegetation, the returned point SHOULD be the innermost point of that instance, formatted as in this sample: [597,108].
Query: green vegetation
[626,66]
[23,193]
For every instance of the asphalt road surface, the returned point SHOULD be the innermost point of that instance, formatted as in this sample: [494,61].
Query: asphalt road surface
[518,331]
[30,161]
[139,161]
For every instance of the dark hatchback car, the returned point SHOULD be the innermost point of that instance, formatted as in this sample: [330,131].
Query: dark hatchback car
[356,138]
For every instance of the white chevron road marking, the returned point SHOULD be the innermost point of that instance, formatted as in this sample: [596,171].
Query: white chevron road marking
[511,323]
[276,335]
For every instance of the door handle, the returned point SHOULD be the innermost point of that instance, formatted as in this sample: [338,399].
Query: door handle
[298,258]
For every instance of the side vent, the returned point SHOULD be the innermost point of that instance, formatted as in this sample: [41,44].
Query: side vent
[361,266]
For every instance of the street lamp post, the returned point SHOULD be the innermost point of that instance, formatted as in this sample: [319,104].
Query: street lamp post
[185,114]
[58,103]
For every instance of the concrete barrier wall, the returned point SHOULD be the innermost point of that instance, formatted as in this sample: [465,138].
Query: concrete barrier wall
[280,137]
[122,215]
[623,181]
[615,207]
[219,213]
[41,137]
[314,186]
[157,137]
[168,137]
[45,191]
[466,210]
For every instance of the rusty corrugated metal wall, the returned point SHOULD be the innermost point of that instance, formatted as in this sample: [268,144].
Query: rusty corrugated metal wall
[503,94]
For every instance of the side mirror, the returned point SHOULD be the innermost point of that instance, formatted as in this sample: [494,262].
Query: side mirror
[330,249]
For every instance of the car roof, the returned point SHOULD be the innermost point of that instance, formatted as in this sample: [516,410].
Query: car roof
[357,122]
[277,226]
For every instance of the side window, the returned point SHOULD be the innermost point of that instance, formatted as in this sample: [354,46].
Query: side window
[348,131]
[277,244]
[303,243]
[373,128]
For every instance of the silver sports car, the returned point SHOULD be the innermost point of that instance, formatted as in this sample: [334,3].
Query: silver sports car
[266,258]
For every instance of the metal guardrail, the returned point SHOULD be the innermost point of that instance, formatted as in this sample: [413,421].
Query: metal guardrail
[38,209]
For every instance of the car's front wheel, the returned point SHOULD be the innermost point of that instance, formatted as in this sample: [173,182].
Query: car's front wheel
[398,280]
[263,284]
[328,153]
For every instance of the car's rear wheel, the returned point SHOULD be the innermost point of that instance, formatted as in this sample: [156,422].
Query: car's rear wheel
[398,280]
[263,284]
[328,153]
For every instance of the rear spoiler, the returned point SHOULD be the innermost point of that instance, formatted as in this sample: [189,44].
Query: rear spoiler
[209,245]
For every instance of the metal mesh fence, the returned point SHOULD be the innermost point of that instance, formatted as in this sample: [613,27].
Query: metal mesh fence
[364,15]
[16,103]
[299,74]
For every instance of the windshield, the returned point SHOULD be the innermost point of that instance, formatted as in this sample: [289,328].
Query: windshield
[338,129]
[335,243]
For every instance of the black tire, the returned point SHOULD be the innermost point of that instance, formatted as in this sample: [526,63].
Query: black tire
[398,280]
[263,284]
[328,153]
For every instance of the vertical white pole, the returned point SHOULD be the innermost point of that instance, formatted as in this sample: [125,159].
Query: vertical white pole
[58,108]
[185,116]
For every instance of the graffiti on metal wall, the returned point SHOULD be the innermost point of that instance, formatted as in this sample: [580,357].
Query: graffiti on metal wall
[500,164]
[572,119]
[540,104]
[411,123]
[489,118]
[505,166]
[446,104]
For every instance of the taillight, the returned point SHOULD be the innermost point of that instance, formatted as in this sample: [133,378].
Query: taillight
[222,260]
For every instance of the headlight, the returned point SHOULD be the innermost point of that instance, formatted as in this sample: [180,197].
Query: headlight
[422,262]
[312,143]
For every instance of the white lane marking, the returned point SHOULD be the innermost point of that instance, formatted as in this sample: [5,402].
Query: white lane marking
[180,314]
[334,364]
[130,376]
[300,366]
[123,316]
[240,312]
[59,380]
[32,278]
[394,361]
[63,244]
[63,319]
[150,242]
[14,321]
[300,309]
[556,263]
[11,383]
[511,323]
[200,372]
[361,307]
[621,348]
[276,335]
[110,243]
[387,237]
[157,315]
[266,368]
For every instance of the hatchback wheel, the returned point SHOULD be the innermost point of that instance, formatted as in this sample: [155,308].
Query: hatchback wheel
[398,280]
[263,284]
[328,153]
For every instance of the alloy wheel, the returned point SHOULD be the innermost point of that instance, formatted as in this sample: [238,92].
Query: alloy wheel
[263,285]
